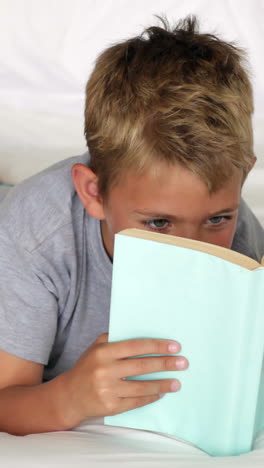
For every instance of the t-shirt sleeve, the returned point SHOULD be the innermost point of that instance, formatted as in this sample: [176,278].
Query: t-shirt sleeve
[28,308]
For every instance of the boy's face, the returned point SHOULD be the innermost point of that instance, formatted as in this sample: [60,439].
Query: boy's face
[172,201]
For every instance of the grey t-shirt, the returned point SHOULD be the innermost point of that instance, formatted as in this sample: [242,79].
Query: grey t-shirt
[55,276]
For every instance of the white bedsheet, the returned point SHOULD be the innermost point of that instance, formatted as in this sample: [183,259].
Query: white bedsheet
[95,445]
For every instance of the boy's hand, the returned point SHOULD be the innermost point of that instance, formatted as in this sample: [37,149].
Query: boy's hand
[98,385]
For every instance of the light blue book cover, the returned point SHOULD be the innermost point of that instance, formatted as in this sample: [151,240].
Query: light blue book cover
[215,309]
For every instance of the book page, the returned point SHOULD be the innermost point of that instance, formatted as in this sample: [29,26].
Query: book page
[214,308]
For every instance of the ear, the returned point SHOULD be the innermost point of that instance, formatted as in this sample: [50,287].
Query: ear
[86,184]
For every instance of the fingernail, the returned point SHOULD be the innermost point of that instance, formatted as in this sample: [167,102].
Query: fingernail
[175,386]
[181,363]
[174,347]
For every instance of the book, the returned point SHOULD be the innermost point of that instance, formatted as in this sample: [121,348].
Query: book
[210,299]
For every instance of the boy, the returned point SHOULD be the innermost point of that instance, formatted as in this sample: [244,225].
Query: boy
[168,127]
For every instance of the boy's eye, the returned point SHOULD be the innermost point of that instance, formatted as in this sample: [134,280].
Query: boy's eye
[218,219]
[157,223]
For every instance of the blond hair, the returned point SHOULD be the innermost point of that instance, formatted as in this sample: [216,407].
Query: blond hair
[172,95]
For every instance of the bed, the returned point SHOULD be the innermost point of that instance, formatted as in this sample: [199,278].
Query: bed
[48,50]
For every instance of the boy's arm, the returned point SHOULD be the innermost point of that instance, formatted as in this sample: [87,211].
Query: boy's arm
[96,386]
[26,405]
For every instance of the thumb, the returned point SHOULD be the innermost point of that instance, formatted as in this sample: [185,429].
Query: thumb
[102,339]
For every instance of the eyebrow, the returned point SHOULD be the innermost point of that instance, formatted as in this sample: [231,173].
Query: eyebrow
[226,210]
[177,218]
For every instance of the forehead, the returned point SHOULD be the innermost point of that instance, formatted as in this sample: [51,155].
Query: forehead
[173,189]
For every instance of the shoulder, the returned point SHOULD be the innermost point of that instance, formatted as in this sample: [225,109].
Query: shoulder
[39,206]
[249,236]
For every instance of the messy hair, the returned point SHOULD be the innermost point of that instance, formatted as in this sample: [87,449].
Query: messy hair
[171,94]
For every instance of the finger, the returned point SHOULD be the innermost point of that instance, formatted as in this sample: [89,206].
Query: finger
[127,404]
[138,388]
[141,346]
[147,365]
